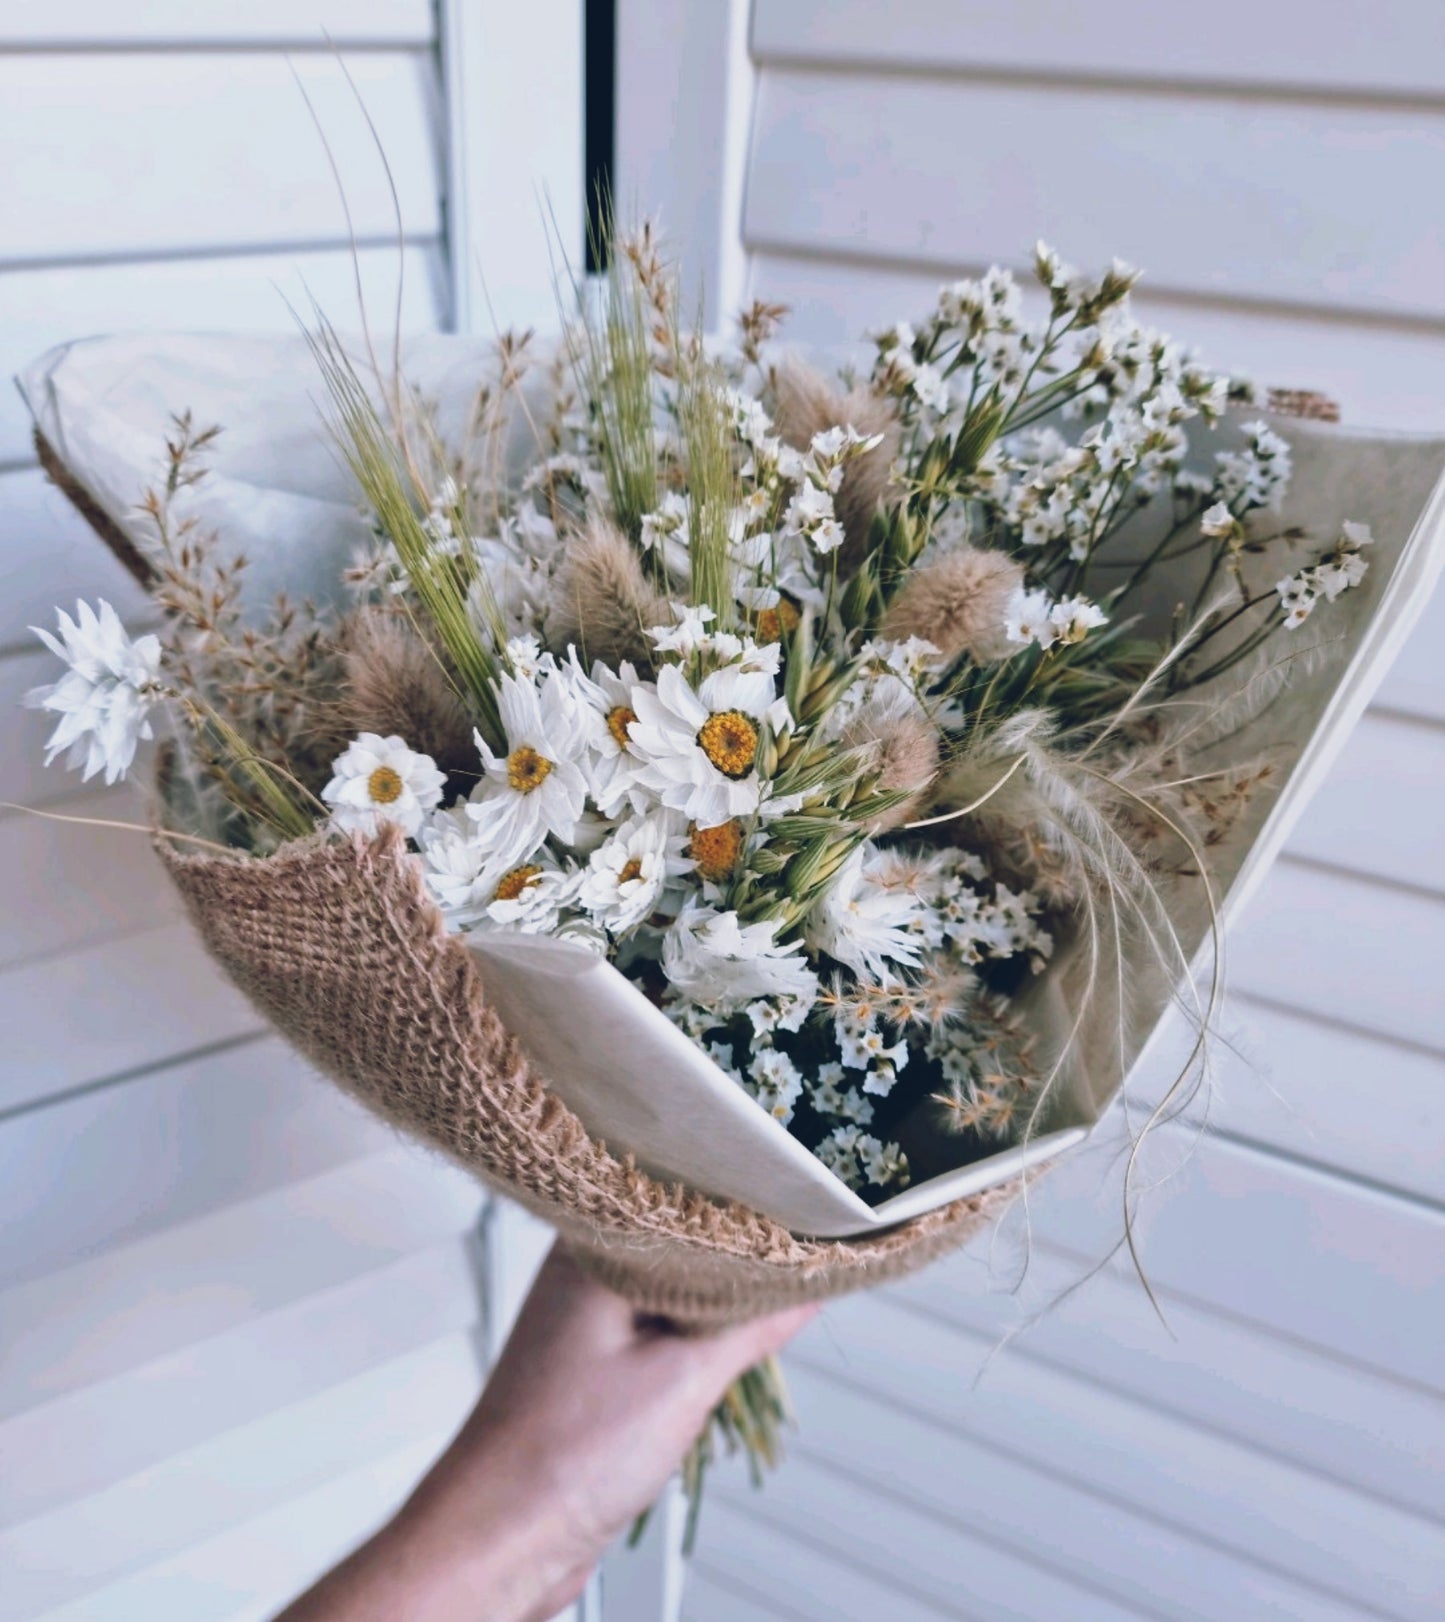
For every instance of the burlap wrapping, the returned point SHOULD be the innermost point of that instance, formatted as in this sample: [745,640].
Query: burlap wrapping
[338,944]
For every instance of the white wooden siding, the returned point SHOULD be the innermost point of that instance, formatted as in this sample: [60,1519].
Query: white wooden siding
[1279,1450]
[237,1316]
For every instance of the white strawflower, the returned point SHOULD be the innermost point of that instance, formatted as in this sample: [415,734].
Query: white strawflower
[455,866]
[715,960]
[864,924]
[626,876]
[697,750]
[537,787]
[378,780]
[104,699]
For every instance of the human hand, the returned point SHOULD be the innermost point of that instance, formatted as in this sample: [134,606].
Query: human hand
[582,1422]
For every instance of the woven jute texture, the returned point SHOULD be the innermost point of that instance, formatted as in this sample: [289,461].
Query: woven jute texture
[339,946]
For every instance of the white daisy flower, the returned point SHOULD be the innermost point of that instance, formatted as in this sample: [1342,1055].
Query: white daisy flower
[867,925]
[537,787]
[530,897]
[626,877]
[378,780]
[604,701]
[697,750]
[104,699]
[715,960]
[455,866]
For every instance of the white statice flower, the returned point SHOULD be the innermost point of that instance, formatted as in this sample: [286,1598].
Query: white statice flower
[376,780]
[839,1153]
[697,748]
[689,633]
[626,876]
[1340,568]
[105,697]
[884,1164]
[664,532]
[716,961]
[1256,476]
[1029,618]
[1072,618]
[776,1083]
[536,788]
[829,1096]
[1218,523]
[810,514]
[863,923]
[863,1046]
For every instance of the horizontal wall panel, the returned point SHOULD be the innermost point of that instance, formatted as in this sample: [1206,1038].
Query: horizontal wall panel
[96,25]
[942,1561]
[127,1307]
[244,293]
[1320,1534]
[1396,48]
[1345,948]
[85,1442]
[1227,1223]
[802,1573]
[247,1572]
[69,886]
[1312,1088]
[203,1491]
[211,152]
[106,1010]
[1291,203]
[51,556]
[168,1147]
[1345,824]
[1264,1390]
[1416,684]
[721,1595]
[1382,374]
[940,1480]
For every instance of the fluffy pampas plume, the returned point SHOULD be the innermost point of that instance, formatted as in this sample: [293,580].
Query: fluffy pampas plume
[604,602]
[903,745]
[395,683]
[958,603]
[806,403]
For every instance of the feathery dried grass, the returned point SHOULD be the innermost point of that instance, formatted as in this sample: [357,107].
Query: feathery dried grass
[806,403]
[902,749]
[395,683]
[604,602]
[958,603]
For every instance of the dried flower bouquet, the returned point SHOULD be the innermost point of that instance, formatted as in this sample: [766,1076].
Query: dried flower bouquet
[890,737]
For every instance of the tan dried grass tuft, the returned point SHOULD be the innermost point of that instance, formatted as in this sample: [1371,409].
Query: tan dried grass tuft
[807,403]
[958,603]
[395,684]
[604,602]
[902,747]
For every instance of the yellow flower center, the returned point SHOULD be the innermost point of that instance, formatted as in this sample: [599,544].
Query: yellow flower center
[527,770]
[518,880]
[631,869]
[715,851]
[618,721]
[384,786]
[730,741]
[775,623]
